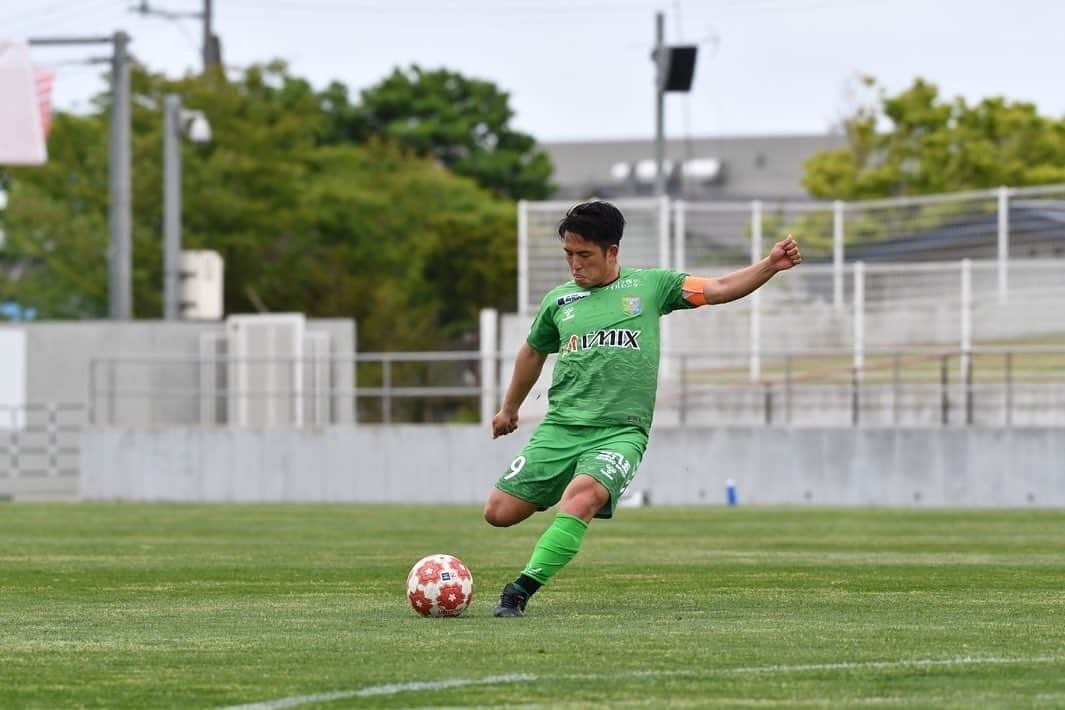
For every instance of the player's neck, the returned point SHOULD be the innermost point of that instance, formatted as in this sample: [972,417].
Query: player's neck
[611,278]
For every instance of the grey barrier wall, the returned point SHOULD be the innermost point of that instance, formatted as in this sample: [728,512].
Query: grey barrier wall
[59,357]
[969,467]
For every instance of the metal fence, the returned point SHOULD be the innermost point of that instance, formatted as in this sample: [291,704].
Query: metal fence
[993,225]
[1017,386]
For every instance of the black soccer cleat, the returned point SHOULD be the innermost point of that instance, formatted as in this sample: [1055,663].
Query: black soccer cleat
[511,602]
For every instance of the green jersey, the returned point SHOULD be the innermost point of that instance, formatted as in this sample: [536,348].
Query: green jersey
[607,338]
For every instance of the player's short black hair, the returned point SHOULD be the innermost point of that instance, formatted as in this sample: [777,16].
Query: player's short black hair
[596,221]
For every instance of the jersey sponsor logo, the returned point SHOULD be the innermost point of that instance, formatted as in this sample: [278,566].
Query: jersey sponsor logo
[631,305]
[567,313]
[612,338]
[624,283]
[613,463]
[571,297]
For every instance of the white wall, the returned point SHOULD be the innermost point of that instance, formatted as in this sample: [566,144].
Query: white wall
[12,378]
[459,464]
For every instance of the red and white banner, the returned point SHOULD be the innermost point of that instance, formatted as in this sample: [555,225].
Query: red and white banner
[27,106]
[45,78]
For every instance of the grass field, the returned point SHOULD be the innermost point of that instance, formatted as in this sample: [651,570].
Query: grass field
[303,606]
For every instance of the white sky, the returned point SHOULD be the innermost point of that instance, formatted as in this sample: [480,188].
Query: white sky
[580,69]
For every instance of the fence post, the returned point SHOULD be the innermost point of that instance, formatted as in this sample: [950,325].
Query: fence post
[859,317]
[896,385]
[111,396]
[13,440]
[1003,242]
[663,232]
[967,336]
[682,415]
[787,389]
[944,393]
[756,297]
[1009,389]
[523,256]
[53,443]
[837,254]
[768,403]
[92,391]
[856,396]
[386,387]
[680,226]
[489,363]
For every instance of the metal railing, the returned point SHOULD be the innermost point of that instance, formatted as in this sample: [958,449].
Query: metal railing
[904,387]
[991,386]
[997,225]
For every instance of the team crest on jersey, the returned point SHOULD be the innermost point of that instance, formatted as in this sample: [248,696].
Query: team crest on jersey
[631,305]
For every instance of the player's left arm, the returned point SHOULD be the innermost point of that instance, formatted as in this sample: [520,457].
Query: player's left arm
[701,291]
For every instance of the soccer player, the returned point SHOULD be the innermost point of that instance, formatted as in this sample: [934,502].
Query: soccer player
[605,326]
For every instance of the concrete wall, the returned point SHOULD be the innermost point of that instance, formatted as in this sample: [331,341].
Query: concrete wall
[458,464]
[59,356]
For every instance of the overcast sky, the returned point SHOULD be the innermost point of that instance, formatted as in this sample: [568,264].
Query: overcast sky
[580,69]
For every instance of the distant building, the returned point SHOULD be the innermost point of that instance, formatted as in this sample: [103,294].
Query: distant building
[727,168]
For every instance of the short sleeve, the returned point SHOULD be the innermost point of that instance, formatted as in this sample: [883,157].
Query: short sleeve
[543,335]
[670,290]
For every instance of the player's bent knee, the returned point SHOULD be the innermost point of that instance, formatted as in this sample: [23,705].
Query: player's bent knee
[495,517]
[503,510]
[584,497]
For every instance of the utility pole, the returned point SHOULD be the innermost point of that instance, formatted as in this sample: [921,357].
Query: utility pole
[211,50]
[175,120]
[119,253]
[121,269]
[674,67]
[172,207]
[210,42]
[660,101]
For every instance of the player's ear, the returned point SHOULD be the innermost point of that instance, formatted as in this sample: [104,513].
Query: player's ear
[612,253]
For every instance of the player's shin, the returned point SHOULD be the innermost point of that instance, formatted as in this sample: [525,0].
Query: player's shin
[557,546]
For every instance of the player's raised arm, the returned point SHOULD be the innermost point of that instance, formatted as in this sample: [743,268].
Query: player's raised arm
[784,255]
[527,367]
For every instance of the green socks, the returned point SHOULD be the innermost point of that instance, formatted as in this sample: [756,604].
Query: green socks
[557,546]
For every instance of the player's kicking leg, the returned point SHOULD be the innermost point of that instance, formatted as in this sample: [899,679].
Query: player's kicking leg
[559,544]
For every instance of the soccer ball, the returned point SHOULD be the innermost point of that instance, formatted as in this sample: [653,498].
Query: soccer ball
[439,585]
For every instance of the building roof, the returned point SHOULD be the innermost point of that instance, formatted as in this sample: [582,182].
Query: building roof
[747,167]
[1036,228]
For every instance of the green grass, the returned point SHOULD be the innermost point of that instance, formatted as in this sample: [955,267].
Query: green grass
[207,606]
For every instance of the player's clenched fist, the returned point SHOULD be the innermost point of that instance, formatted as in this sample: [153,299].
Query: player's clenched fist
[785,254]
[503,423]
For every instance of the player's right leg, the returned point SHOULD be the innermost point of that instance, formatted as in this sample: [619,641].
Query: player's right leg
[535,480]
[504,510]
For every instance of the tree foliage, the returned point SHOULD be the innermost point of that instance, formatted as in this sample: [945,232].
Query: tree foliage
[372,231]
[919,143]
[461,122]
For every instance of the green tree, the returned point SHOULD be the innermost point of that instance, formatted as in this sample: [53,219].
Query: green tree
[918,143]
[463,123]
[371,232]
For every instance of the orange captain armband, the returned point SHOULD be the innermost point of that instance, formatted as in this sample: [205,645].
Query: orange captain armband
[694,290]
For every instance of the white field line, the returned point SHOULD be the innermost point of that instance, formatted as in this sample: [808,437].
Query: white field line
[396,688]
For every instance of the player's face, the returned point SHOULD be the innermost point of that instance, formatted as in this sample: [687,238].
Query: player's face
[589,263]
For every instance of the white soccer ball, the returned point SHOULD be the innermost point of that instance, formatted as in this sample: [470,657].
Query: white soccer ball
[439,585]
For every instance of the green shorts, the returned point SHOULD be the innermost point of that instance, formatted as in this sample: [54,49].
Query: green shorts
[558,452]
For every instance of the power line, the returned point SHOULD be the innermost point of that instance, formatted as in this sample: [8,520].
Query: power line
[577,7]
[56,10]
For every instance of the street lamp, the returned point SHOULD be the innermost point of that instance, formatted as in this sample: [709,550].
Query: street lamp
[176,121]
